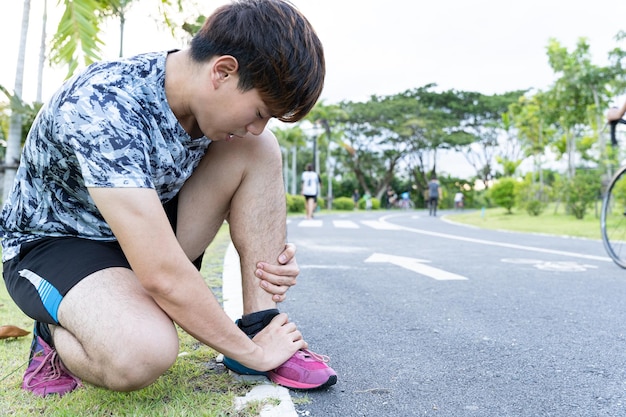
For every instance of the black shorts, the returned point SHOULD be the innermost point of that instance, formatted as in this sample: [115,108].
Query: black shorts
[46,269]
[310,197]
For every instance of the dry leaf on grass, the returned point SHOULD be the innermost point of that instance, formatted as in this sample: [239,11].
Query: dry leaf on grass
[11,331]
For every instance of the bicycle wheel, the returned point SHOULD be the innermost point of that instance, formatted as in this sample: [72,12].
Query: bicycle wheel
[613,219]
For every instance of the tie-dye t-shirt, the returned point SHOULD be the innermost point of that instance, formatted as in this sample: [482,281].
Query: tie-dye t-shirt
[110,126]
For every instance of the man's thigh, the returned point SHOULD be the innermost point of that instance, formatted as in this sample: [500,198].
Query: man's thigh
[115,319]
[45,270]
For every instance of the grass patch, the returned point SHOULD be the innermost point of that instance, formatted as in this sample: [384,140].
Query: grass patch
[552,221]
[195,386]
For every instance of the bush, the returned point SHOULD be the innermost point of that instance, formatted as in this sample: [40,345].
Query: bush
[321,203]
[375,204]
[503,193]
[343,203]
[582,191]
[534,207]
[533,197]
[295,203]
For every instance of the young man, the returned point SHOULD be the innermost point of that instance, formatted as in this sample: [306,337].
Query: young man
[126,176]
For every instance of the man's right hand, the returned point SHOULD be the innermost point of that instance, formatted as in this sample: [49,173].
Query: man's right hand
[279,340]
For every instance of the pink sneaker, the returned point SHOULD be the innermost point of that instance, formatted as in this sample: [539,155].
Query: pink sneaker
[46,374]
[304,370]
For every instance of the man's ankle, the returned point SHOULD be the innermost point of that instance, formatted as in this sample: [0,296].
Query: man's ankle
[253,323]
[43,331]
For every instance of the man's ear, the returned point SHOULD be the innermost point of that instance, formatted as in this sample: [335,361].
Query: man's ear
[224,68]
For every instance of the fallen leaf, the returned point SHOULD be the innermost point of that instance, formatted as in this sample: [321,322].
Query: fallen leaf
[11,331]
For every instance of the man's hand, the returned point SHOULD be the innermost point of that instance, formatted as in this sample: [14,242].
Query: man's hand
[279,340]
[276,279]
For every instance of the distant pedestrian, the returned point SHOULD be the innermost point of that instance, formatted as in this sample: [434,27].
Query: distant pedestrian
[434,194]
[355,197]
[311,183]
[392,197]
[458,200]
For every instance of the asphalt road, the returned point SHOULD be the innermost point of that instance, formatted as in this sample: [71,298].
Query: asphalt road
[422,317]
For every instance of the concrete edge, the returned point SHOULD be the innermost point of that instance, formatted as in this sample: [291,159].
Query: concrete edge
[233,306]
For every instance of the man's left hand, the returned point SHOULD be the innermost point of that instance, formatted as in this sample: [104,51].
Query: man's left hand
[276,279]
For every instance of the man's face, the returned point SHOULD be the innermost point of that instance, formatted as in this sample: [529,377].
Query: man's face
[230,113]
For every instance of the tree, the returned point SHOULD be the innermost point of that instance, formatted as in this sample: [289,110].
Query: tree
[289,139]
[529,116]
[118,9]
[42,52]
[473,123]
[76,40]
[12,155]
[374,147]
[581,95]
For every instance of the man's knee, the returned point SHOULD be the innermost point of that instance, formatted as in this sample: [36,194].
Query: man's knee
[140,366]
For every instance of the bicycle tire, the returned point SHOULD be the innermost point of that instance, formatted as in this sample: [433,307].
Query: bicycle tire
[613,218]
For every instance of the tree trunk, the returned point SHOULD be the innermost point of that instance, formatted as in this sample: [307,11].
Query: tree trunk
[14,141]
[42,52]
[294,172]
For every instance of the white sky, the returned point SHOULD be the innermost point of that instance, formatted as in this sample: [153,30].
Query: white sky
[381,46]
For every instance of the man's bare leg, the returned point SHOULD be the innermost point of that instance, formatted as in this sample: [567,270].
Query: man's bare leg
[240,181]
[114,335]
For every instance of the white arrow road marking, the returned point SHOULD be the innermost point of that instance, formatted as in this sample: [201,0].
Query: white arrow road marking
[415,265]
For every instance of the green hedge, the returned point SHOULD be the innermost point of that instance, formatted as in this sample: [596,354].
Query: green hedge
[343,203]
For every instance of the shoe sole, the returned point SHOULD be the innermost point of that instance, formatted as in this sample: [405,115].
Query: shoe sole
[277,379]
[240,369]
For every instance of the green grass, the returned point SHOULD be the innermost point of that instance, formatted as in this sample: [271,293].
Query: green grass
[194,386]
[552,221]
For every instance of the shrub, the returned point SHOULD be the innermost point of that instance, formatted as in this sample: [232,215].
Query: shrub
[343,203]
[503,193]
[582,191]
[532,197]
[295,203]
[375,204]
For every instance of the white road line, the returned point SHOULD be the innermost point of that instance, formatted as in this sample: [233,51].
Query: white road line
[310,223]
[345,224]
[378,225]
[232,292]
[500,244]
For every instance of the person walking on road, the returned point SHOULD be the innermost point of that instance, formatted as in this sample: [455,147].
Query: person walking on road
[434,194]
[458,200]
[311,184]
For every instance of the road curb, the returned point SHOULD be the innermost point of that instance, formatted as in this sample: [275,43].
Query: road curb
[233,306]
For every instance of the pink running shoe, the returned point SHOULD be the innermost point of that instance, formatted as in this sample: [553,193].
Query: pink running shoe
[304,370]
[46,374]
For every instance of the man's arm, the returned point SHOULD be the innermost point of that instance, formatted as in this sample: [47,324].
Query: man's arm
[138,220]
